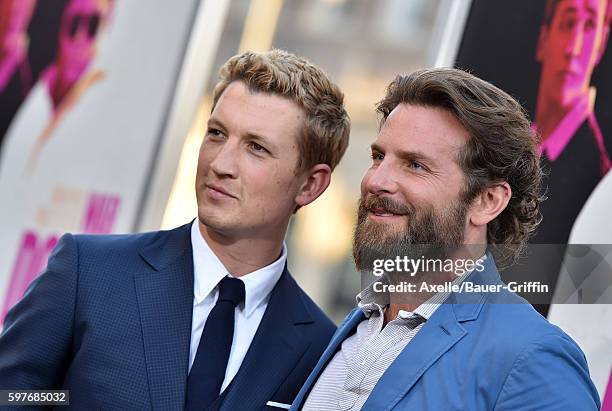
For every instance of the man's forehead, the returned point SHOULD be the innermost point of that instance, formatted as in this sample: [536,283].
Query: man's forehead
[422,129]
[256,114]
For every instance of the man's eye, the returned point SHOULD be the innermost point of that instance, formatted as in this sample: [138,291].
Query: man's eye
[377,156]
[258,147]
[213,132]
[415,165]
[568,24]
[589,25]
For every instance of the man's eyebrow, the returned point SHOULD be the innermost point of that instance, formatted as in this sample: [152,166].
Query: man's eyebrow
[415,155]
[376,147]
[405,154]
[568,10]
[212,121]
[592,11]
[258,137]
[574,10]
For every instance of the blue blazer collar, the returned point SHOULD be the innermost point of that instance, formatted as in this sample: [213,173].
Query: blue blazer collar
[441,332]
[346,328]
[467,306]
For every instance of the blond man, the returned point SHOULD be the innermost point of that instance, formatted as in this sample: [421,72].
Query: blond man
[205,316]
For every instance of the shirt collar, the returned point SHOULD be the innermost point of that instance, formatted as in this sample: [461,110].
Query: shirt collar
[209,270]
[556,142]
[369,301]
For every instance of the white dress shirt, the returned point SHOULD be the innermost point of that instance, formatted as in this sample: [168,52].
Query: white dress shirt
[208,271]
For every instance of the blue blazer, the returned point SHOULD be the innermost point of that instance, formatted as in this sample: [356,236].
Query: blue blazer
[479,351]
[110,320]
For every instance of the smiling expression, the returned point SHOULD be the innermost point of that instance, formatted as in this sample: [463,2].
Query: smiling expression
[412,192]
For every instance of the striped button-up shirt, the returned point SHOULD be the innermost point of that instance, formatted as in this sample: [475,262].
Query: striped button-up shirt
[349,378]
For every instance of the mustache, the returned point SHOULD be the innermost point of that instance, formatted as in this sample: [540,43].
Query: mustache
[386,204]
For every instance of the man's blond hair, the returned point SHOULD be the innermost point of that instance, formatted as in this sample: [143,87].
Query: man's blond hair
[325,132]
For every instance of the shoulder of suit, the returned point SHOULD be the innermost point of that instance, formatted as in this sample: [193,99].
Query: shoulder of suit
[517,323]
[120,254]
[123,241]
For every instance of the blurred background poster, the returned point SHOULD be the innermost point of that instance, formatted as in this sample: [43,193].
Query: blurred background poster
[554,57]
[86,90]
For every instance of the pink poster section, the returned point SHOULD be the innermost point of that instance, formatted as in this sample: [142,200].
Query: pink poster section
[99,217]
[607,399]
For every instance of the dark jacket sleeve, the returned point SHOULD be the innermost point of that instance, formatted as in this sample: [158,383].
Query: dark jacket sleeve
[36,341]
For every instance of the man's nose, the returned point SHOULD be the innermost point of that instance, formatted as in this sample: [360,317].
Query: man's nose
[382,179]
[576,42]
[225,163]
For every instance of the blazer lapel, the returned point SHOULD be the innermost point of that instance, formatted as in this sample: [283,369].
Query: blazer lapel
[346,328]
[439,334]
[165,301]
[274,351]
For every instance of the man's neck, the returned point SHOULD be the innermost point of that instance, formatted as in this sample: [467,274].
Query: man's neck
[393,310]
[548,116]
[242,256]
[412,300]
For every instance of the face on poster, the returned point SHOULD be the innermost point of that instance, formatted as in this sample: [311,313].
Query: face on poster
[572,40]
[553,57]
[76,154]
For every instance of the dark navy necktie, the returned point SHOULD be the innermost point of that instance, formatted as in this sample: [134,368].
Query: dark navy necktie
[208,369]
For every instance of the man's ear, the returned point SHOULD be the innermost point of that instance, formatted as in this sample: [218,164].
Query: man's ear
[541,46]
[490,203]
[317,180]
[605,34]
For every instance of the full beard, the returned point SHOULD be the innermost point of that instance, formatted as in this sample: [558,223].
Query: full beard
[428,233]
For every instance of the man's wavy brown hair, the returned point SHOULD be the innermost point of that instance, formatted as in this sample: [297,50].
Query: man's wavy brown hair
[502,146]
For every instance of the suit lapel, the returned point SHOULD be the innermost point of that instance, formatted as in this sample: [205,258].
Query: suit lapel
[439,334]
[346,328]
[276,348]
[165,301]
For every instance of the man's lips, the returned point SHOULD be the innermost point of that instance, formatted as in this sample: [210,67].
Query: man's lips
[216,191]
[381,212]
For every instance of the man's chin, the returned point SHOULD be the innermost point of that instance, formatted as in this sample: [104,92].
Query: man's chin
[570,95]
[384,229]
[215,223]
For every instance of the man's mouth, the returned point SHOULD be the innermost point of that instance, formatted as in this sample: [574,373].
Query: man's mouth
[569,74]
[381,212]
[218,192]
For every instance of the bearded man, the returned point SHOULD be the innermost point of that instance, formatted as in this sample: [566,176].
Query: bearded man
[455,175]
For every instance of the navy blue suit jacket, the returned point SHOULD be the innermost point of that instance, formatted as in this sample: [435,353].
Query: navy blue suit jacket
[110,320]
